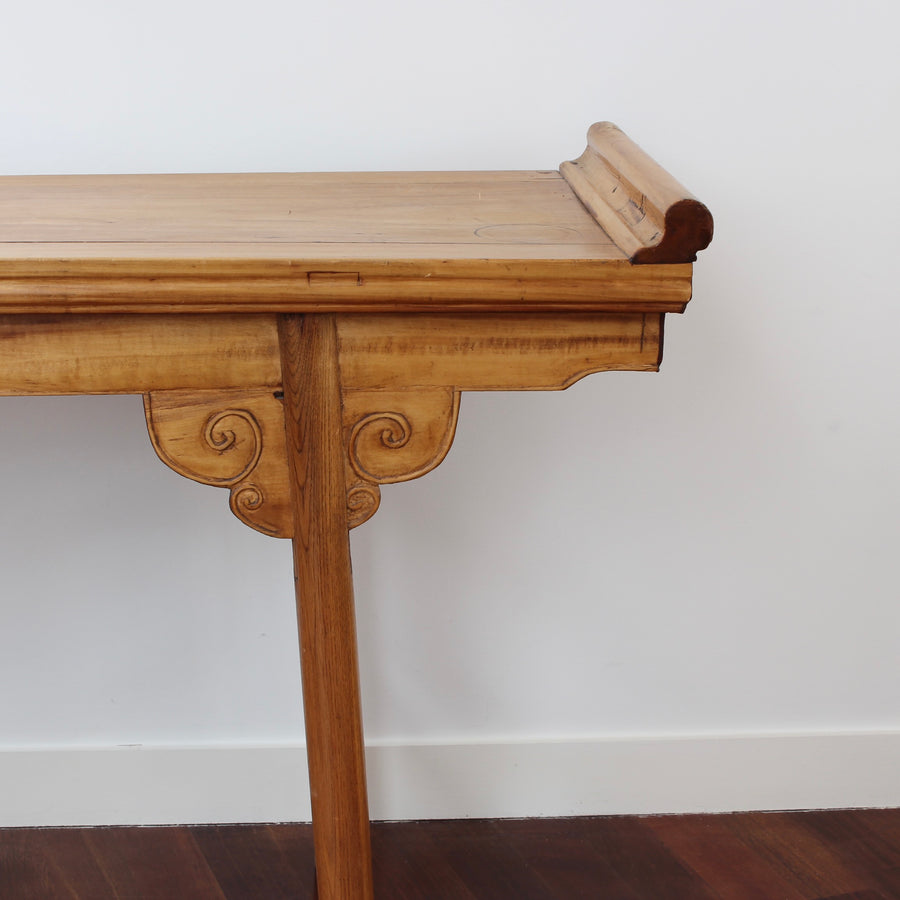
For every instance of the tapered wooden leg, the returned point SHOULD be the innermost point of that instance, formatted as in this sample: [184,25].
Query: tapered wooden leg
[324,585]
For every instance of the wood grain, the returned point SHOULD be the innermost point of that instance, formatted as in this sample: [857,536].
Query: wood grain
[644,862]
[491,353]
[260,862]
[712,849]
[119,354]
[324,583]
[135,862]
[85,354]
[371,210]
[798,856]
[453,282]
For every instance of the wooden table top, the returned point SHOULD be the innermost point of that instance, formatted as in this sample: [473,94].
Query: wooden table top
[339,242]
[311,218]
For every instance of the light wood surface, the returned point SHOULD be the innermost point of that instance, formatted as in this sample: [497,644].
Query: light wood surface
[57,282]
[302,339]
[121,354]
[500,352]
[380,213]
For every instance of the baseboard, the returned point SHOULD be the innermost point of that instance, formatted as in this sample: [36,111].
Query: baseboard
[164,785]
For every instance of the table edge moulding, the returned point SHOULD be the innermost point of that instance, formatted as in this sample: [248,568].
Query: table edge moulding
[303,339]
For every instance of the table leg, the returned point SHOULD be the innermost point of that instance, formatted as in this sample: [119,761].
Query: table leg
[324,585]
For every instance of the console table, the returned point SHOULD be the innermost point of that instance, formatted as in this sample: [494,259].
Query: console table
[301,339]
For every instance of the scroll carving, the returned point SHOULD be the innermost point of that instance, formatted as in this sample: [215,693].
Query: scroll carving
[232,439]
[394,436]
[235,439]
[363,500]
[232,430]
[371,435]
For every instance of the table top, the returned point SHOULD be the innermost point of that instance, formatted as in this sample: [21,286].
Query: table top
[312,218]
[389,241]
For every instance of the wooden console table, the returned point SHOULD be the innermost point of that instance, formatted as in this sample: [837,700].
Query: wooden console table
[303,339]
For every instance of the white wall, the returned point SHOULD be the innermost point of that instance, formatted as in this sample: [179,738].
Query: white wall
[660,560]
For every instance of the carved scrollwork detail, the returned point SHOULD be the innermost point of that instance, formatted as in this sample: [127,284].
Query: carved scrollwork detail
[235,439]
[372,434]
[234,431]
[393,436]
[226,439]
[363,500]
[398,435]
[247,497]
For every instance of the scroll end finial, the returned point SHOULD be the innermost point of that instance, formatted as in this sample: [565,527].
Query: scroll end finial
[651,217]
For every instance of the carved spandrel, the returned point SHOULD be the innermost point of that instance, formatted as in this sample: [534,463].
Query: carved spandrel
[232,439]
[393,436]
[235,439]
[392,432]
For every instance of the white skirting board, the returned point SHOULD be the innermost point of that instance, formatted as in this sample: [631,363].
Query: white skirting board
[168,785]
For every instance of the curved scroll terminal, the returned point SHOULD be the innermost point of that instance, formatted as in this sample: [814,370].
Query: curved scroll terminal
[651,217]
[363,500]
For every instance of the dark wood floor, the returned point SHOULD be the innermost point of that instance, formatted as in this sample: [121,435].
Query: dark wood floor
[838,855]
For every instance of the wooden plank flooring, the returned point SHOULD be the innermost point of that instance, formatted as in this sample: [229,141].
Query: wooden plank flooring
[830,855]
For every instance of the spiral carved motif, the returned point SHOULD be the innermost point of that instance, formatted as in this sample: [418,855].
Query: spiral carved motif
[363,500]
[246,501]
[234,431]
[246,498]
[373,434]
